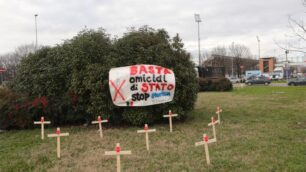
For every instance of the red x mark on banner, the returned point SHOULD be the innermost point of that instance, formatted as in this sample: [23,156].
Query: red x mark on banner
[117,89]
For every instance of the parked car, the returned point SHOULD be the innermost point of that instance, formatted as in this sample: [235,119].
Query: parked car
[258,80]
[242,78]
[266,75]
[252,77]
[234,80]
[297,81]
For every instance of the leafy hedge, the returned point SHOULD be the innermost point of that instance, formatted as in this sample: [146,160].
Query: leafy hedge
[73,76]
[17,110]
[215,84]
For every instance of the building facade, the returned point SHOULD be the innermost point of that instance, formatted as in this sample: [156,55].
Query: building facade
[234,66]
[267,64]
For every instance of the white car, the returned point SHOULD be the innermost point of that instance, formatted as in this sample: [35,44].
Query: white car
[234,80]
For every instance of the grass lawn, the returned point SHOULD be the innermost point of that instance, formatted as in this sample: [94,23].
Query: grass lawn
[263,129]
[279,81]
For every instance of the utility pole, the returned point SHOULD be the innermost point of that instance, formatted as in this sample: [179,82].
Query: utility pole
[287,64]
[233,48]
[198,20]
[287,52]
[258,40]
[36,30]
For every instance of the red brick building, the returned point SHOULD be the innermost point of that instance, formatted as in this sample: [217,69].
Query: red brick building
[267,64]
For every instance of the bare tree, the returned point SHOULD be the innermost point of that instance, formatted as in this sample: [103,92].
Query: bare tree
[219,54]
[239,51]
[219,50]
[205,57]
[215,57]
[11,60]
[296,41]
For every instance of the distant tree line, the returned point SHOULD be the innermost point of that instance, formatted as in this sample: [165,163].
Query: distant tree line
[236,56]
[9,61]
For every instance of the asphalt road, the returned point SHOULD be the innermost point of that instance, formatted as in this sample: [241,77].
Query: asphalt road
[272,84]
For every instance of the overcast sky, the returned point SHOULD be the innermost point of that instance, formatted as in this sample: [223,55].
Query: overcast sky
[223,21]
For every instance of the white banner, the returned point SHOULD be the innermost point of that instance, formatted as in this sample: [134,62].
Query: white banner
[141,85]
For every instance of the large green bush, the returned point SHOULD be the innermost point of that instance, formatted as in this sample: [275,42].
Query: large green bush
[74,75]
[147,46]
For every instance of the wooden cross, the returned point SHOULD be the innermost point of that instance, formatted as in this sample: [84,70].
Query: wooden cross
[170,115]
[118,152]
[213,123]
[147,131]
[100,121]
[42,122]
[58,136]
[219,110]
[205,142]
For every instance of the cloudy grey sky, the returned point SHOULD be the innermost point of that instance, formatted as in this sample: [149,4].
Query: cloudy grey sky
[223,21]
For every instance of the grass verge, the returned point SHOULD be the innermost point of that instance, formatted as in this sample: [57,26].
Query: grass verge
[262,129]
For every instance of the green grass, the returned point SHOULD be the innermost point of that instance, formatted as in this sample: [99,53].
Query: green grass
[279,81]
[262,129]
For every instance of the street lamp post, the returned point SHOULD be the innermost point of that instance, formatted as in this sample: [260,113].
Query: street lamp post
[258,40]
[198,20]
[36,30]
[233,47]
